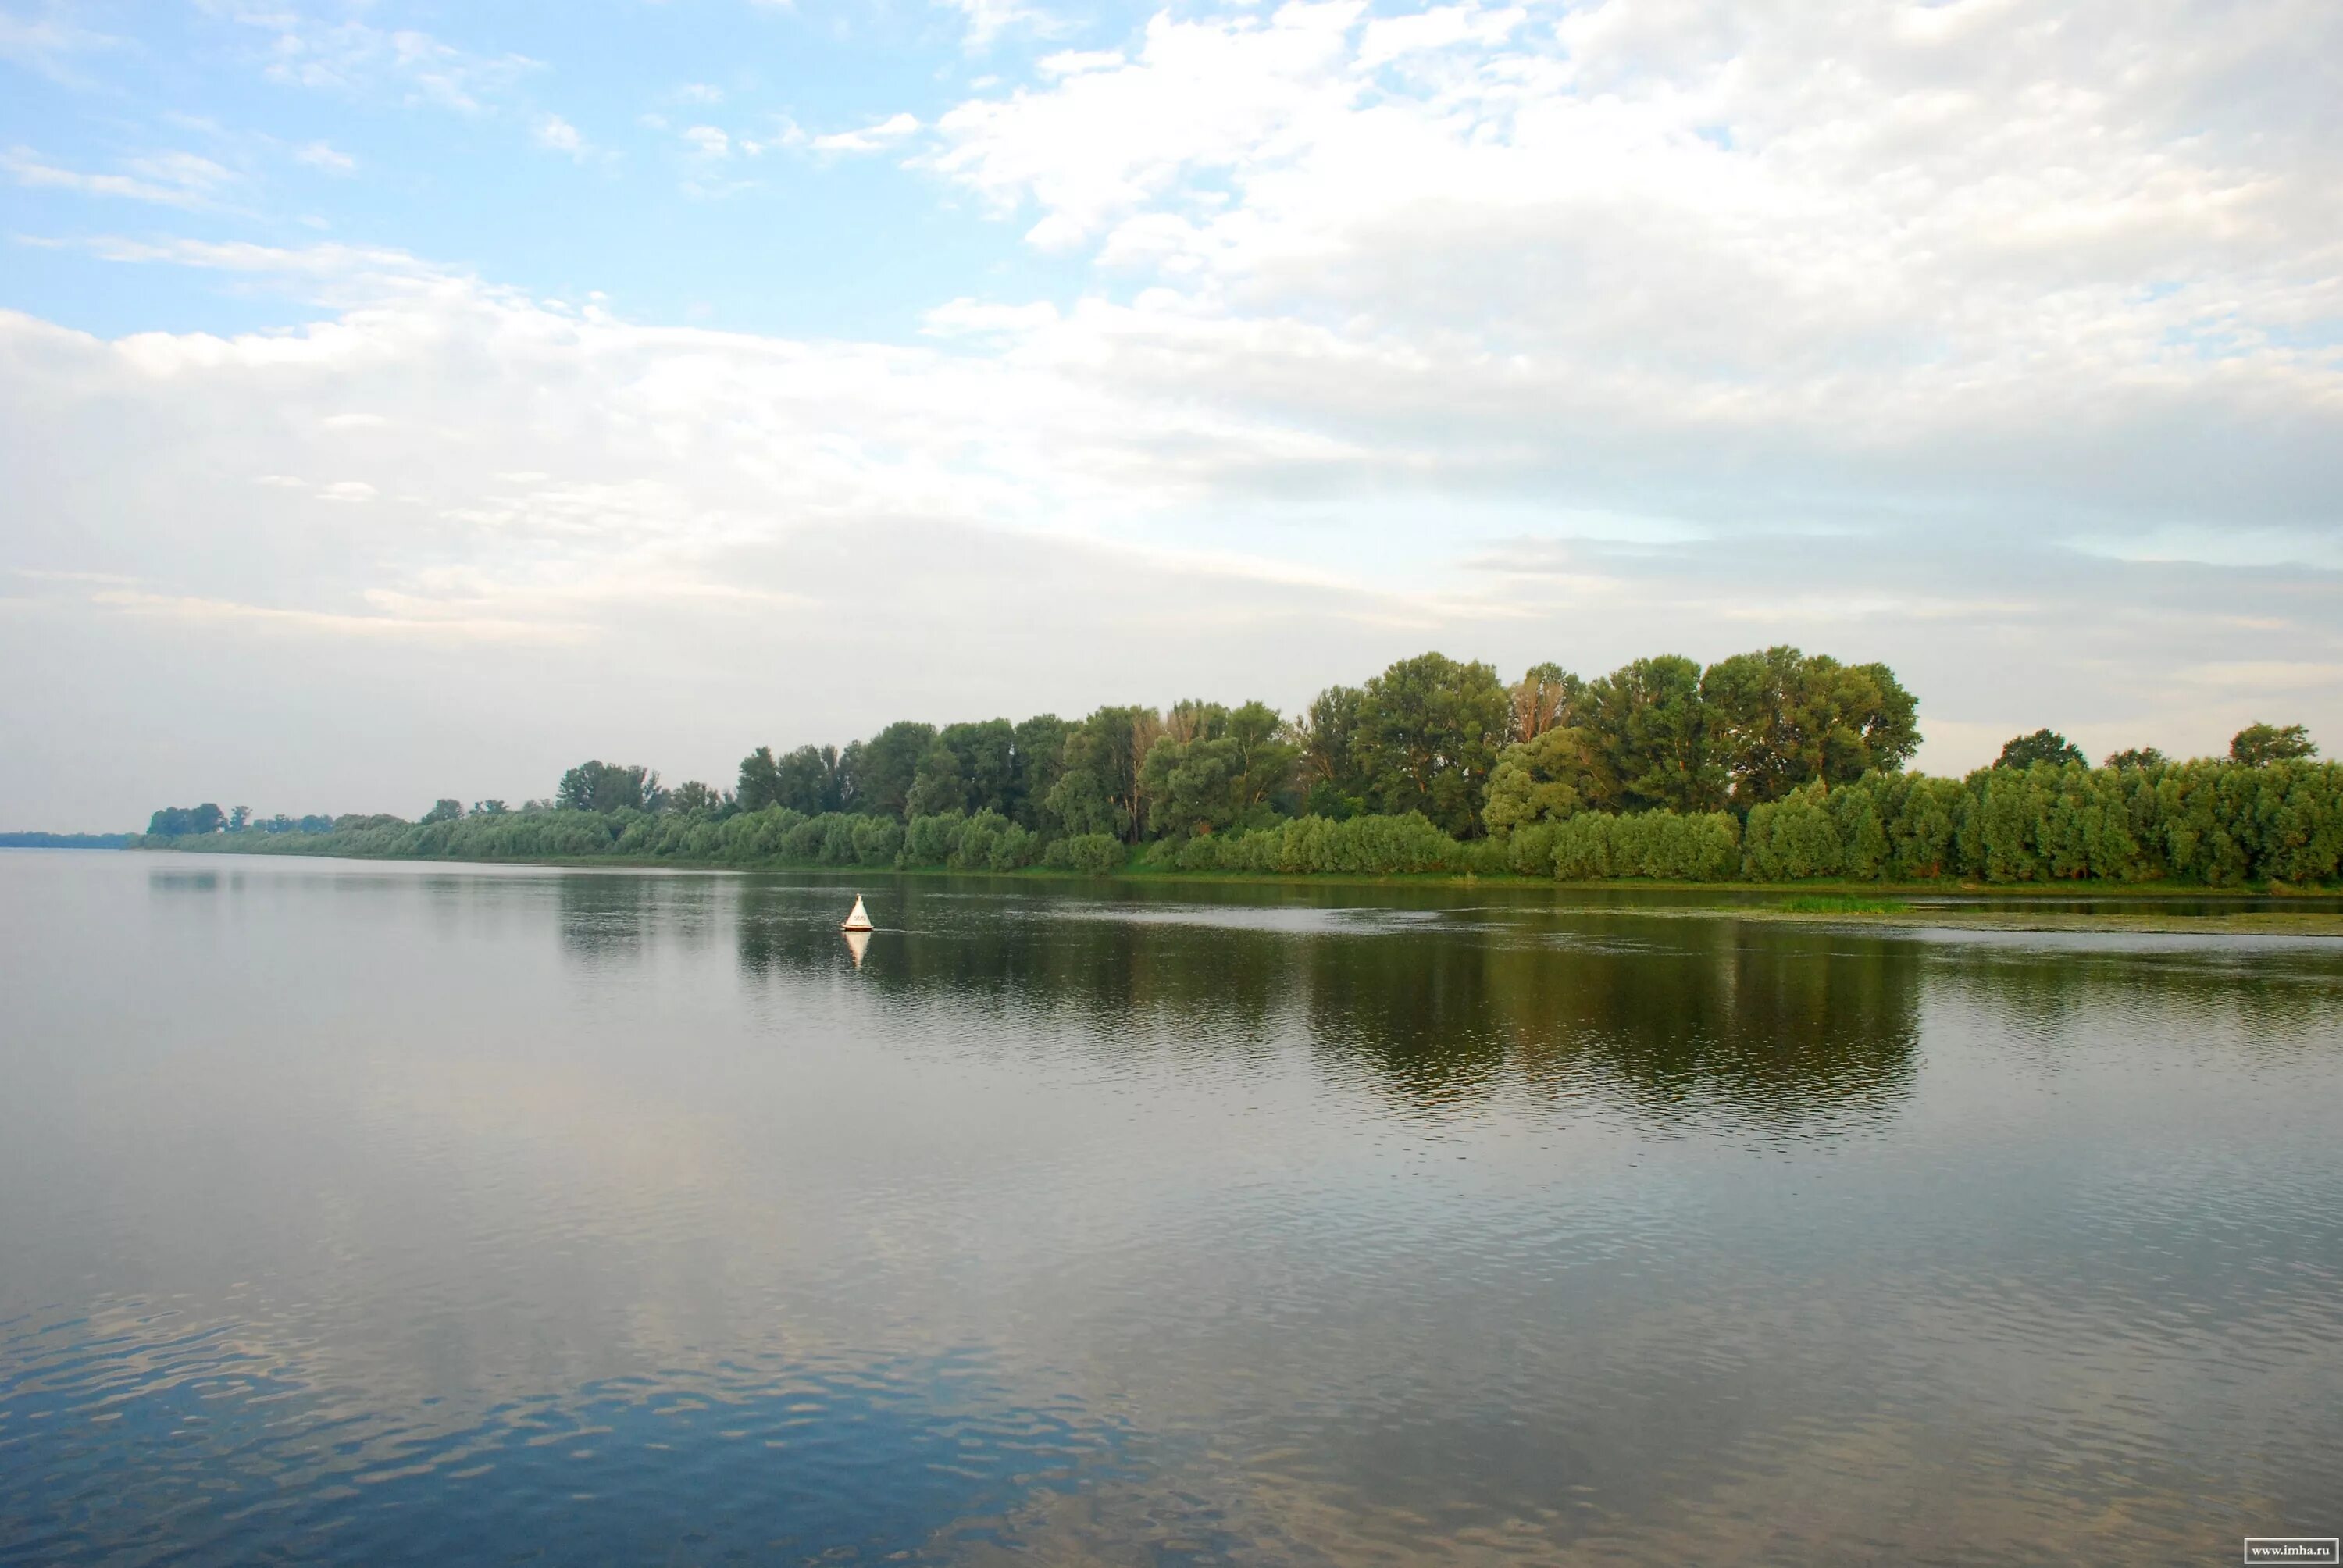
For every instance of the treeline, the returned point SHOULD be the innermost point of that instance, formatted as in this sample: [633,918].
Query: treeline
[65,840]
[1775,766]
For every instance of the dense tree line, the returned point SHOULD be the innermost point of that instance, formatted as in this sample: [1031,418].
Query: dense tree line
[1773,765]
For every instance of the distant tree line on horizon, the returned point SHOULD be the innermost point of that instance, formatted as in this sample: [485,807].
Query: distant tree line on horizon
[1661,768]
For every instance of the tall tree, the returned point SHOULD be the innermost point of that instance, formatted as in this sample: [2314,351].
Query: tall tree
[1429,732]
[2042,746]
[1040,750]
[1214,768]
[443,810]
[807,780]
[1557,774]
[1540,697]
[607,787]
[1647,722]
[1780,720]
[2135,757]
[1327,733]
[693,798]
[760,780]
[180,821]
[1100,789]
[2259,745]
[886,766]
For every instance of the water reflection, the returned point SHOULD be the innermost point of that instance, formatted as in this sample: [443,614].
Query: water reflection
[1783,1027]
[380,1214]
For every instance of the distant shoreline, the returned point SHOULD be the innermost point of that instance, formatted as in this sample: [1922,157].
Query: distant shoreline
[1945,905]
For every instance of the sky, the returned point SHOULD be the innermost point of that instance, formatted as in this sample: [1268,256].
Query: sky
[400,400]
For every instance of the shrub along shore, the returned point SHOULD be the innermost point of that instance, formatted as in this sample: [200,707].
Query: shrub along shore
[2202,824]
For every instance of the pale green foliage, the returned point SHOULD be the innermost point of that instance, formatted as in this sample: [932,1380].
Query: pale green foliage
[1556,775]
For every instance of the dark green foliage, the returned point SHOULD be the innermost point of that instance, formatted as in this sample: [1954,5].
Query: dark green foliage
[185,821]
[2042,746]
[1620,777]
[876,775]
[1327,733]
[1781,719]
[1041,748]
[606,787]
[1648,728]
[690,799]
[2259,745]
[1099,790]
[1216,768]
[1429,731]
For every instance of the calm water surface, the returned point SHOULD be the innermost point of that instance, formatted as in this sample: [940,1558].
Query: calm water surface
[377,1213]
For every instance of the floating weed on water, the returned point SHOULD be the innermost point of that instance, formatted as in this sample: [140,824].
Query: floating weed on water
[1841,904]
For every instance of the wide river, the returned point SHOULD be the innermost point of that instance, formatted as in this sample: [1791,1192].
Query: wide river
[383,1213]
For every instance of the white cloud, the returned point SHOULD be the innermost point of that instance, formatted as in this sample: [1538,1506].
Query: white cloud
[167,179]
[557,135]
[1998,342]
[320,155]
[872,139]
[700,92]
[355,57]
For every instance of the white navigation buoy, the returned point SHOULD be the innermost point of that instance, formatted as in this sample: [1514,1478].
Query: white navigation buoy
[860,920]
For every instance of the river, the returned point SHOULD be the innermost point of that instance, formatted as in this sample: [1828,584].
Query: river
[391,1214]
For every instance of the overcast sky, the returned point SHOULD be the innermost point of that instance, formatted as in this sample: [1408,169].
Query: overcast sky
[400,400]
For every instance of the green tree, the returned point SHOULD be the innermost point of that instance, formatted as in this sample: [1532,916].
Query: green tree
[443,809]
[693,798]
[968,768]
[1547,778]
[489,809]
[606,786]
[1326,735]
[2135,757]
[1779,719]
[1429,732]
[807,779]
[1215,768]
[186,821]
[1648,723]
[760,780]
[1541,699]
[1099,790]
[884,769]
[2259,745]
[2042,746]
[1040,750]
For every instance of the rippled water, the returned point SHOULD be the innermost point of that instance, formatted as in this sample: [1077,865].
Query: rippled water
[381,1214]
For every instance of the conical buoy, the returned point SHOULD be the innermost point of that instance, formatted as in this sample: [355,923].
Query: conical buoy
[860,920]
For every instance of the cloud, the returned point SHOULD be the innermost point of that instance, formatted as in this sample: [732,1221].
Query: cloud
[358,59]
[2002,343]
[49,43]
[872,139]
[557,135]
[169,179]
[320,155]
